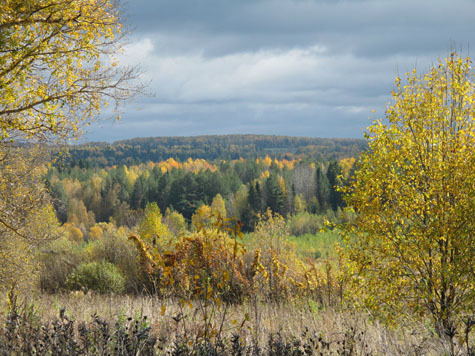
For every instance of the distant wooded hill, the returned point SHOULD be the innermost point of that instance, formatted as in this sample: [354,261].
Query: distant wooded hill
[226,147]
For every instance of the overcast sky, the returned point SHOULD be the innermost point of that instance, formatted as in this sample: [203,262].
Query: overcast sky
[282,67]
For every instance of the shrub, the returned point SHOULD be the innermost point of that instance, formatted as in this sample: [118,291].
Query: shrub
[114,247]
[58,259]
[102,277]
[276,270]
[62,256]
[204,264]
[305,223]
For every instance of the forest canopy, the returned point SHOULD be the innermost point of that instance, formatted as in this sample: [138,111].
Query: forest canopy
[244,187]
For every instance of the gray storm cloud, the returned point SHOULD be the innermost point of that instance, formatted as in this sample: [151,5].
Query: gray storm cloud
[301,67]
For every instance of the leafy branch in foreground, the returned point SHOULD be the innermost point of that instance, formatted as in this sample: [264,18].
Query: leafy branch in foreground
[58,66]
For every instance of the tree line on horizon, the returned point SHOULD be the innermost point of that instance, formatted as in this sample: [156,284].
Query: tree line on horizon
[225,147]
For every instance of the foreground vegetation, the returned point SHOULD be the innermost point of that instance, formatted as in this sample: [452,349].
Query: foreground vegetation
[107,297]
[93,324]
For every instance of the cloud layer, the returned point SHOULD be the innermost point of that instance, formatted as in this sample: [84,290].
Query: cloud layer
[284,67]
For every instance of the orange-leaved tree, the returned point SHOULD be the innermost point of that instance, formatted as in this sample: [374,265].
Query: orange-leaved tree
[199,265]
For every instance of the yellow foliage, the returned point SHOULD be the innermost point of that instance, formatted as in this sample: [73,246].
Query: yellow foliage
[131,176]
[79,215]
[282,185]
[289,164]
[74,233]
[189,165]
[299,204]
[146,260]
[19,265]
[95,233]
[202,216]
[204,264]
[27,218]
[346,164]
[267,161]
[169,165]
[72,187]
[276,270]
[278,163]
[411,249]
[57,65]
[212,263]
[151,229]
[95,182]
[198,165]
[218,206]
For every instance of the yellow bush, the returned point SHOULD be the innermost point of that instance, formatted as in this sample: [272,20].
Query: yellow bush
[73,233]
[212,263]
[207,263]
[276,270]
[95,233]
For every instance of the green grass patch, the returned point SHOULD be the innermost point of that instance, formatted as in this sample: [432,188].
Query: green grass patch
[319,245]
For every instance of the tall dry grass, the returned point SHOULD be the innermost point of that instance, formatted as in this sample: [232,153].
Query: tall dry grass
[331,330]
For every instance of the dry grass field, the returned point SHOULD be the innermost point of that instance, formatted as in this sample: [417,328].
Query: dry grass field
[298,328]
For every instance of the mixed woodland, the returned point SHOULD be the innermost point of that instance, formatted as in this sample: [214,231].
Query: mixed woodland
[85,193]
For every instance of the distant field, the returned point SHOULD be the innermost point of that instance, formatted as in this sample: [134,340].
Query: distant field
[315,246]
[320,245]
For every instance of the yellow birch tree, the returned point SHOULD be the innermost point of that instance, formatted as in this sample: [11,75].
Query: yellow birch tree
[58,68]
[411,248]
